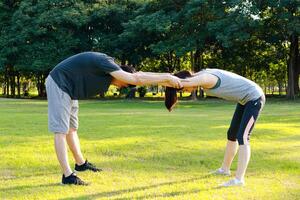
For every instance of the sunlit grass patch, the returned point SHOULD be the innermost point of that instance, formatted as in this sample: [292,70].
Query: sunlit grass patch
[147,152]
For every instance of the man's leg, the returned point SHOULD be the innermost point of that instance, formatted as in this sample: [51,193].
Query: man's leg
[62,153]
[59,111]
[74,145]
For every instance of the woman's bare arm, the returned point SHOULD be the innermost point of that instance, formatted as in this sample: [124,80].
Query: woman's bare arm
[144,78]
[204,80]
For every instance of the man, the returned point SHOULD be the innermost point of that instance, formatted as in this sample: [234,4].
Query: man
[79,77]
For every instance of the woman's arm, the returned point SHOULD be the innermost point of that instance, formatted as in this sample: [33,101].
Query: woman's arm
[204,80]
[144,78]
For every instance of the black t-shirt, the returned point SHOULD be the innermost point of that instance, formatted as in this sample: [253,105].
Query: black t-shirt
[84,75]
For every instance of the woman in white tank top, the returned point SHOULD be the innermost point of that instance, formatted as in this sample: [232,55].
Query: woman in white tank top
[250,100]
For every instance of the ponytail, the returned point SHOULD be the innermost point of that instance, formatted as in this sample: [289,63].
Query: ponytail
[171,93]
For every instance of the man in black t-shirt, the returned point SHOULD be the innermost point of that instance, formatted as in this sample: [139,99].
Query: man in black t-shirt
[79,77]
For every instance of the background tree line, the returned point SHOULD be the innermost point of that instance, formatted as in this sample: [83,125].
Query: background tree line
[254,38]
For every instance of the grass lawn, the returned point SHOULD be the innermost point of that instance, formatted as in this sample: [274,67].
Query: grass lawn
[149,153]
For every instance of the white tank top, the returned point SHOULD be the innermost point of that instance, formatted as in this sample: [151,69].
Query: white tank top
[233,87]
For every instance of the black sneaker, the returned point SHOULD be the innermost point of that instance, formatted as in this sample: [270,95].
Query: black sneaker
[72,179]
[87,166]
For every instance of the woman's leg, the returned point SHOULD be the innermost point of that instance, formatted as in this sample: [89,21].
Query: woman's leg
[231,147]
[230,151]
[243,160]
[251,112]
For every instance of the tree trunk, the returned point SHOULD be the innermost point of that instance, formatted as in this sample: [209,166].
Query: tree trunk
[280,85]
[13,85]
[43,88]
[197,61]
[12,81]
[192,60]
[4,88]
[295,52]
[293,76]
[7,85]
[176,64]
[170,62]
[291,82]
[266,89]
[5,91]
[194,68]
[18,85]
[41,85]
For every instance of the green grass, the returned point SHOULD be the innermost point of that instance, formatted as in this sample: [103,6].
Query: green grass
[149,153]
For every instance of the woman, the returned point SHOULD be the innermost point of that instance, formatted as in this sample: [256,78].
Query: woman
[250,101]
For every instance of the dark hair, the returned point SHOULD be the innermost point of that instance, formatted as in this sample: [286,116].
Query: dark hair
[171,93]
[128,69]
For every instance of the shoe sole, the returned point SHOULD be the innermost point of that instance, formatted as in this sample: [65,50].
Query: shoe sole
[66,184]
[218,174]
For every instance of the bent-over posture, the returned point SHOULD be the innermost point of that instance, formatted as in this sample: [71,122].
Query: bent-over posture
[250,101]
[79,77]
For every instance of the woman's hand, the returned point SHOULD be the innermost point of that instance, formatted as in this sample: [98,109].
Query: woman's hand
[174,82]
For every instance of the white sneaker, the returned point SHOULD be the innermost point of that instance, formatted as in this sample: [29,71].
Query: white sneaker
[233,182]
[221,171]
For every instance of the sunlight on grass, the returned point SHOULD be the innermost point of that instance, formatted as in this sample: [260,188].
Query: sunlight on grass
[287,128]
[148,153]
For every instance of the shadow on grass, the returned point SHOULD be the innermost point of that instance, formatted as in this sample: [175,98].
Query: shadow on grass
[111,194]
[24,187]
[29,175]
[168,194]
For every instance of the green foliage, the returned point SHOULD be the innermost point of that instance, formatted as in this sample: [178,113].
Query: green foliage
[247,37]
[107,28]
[47,32]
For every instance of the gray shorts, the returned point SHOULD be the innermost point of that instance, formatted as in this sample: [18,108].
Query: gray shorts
[62,110]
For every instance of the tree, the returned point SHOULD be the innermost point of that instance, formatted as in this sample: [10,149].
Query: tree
[253,38]
[106,24]
[45,32]
[282,27]
[9,50]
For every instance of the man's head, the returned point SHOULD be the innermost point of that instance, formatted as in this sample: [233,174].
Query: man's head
[121,84]
[171,93]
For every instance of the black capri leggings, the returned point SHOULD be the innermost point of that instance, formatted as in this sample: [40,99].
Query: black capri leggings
[244,119]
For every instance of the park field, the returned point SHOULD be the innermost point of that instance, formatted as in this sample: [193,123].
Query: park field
[148,153]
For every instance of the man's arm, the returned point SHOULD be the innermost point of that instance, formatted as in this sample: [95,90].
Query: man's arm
[144,78]
[154,73]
